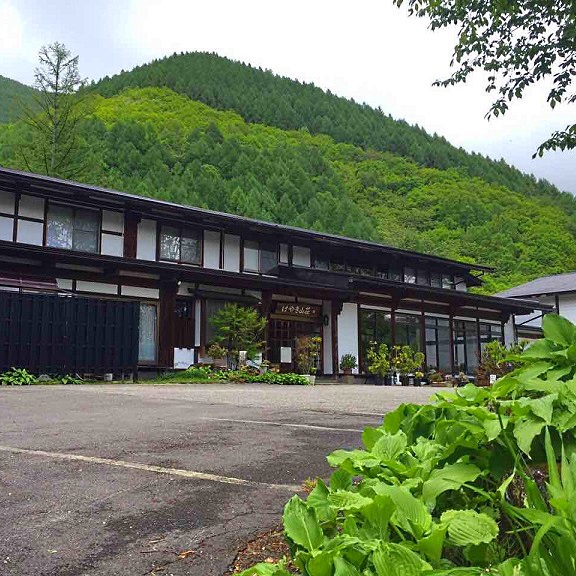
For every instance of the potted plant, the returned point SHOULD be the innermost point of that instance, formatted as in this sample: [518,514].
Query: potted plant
[347,364]
[436,378]
[307,352]
[264,366]
[406,361]
[378,357]
[218,355]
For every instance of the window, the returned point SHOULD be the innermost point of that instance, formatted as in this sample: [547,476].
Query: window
[73,228]
[337,266]
[423,277]
[448,281]
[268,257]
[410,275]
[438,344]
[395,274]
[375,326]
[180,245]
[251,256]
[488,333]
[436,279]
[409,331]
[465,346]
[321,263]
[147,333]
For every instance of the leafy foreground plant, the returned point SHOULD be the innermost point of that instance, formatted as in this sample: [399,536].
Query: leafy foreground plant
[481,481]
[17,377]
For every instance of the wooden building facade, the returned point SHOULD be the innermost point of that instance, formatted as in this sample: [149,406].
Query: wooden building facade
[182,264]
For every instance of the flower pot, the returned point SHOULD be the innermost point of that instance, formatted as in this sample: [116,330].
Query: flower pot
[347,371]
[311,379]
[348,378]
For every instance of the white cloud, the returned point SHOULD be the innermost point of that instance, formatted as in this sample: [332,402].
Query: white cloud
[11,31]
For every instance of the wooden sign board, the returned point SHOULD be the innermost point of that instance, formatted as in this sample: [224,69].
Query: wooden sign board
[292,310]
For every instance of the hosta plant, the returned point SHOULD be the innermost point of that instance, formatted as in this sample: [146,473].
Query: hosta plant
[480,481]
[17,377]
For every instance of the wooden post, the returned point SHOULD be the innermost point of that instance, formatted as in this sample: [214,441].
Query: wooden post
[168,291]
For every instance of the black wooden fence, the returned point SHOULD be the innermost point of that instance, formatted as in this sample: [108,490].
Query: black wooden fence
[52,334]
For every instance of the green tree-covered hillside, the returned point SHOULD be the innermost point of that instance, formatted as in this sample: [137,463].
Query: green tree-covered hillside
[158,143]
[261,96]
[12,94]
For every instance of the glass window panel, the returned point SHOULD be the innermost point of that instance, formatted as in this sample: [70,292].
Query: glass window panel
[410,275]
[87,220]
[321,263]
[170,243]
[191,247]
[251,256]
[436,279]
[408,331]
[447,281]
[375,326]
[85,241]
[60,228]
[337,266]
[438,344]
[465,346]
[423,277]
[268,258]
[395,274]
[147,333]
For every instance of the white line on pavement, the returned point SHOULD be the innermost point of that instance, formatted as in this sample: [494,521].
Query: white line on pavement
[149,468]
[288,424]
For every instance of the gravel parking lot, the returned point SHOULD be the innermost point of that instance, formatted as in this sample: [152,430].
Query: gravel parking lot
[141,479]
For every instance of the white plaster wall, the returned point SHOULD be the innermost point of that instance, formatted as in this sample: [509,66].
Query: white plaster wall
[7,202]
[98,287]
[140,292]
[231,253]
[31,206]
[348,331]
[112,245]
[146,240]
[183,288]
[198,322]
[567,306]
[112,221]
[509,332]
[327,338]
[211,249]
[183,357]
[301,256]
[6,228]
[30,232]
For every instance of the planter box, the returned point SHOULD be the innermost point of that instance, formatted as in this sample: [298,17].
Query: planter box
[348,379]
[311,379]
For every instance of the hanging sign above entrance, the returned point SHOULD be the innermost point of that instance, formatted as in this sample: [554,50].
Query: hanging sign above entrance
[292,310]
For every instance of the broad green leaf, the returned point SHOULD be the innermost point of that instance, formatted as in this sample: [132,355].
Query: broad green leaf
[346,500]
[411,514]
[432,544]
[318,499]
[370,436]
[398,560]
[378,514]
[341,480]
[320,564]
[469,527]
[344,568]
[359,458]
[451,477]
[540,349]
[301,524]
[533,370]
[493,426]
[538,385]
[265,569]
[526,430]
[390,446]
[559,329]
[541,407]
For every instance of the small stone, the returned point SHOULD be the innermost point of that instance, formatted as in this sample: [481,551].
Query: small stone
[44,378]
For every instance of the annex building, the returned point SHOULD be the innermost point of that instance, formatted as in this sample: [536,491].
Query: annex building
[99,280]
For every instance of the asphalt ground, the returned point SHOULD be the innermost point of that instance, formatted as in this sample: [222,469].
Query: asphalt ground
[165,480]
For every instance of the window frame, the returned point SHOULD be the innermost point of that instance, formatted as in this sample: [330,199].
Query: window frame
[181,228]
[74,208]
[260,244]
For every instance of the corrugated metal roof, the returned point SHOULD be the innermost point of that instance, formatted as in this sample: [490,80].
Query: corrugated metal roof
[544,285]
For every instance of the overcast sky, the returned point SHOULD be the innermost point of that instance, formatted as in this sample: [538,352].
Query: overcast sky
[368,50]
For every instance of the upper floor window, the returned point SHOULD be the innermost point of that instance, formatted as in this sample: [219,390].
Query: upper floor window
[180,245]
[73,228]
[260,257]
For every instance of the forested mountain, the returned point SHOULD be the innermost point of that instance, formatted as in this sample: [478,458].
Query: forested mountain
[260,96]
[12,95]
[155,142]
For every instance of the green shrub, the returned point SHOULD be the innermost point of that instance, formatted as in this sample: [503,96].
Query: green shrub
[69,379]
[250,376]
[193,374]
[480,481]
[17,377]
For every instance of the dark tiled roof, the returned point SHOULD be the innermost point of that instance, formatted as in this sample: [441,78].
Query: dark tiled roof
[545,285]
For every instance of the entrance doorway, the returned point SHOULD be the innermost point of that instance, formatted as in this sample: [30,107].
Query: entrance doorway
[283,333]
